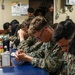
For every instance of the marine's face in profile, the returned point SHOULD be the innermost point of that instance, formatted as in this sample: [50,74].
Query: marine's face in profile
[64,44]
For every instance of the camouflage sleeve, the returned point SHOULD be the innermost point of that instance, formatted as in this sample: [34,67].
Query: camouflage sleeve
[23,45]
[36,46]
[27,45]
[39,52]
[15,41]
[71,64]
[31,40]
[13,38]
[51,63]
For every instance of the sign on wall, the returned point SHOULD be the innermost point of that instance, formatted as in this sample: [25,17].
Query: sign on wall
[19,9]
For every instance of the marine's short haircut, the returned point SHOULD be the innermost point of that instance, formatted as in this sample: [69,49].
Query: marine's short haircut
[37,24]
[30,10]
[6,25]
[14,22]
[26,23]
[64,29]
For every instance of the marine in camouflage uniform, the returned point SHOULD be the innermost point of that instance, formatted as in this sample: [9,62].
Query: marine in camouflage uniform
[66,39]
[27,45]
[49,18]
[15,39]
[49,15]
[68,67]
[48,58]
[69,57]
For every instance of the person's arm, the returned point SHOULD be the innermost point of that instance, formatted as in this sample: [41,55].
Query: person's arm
[21,34]
[35,46]
[24,45]
[50,63]
[29,45]
[40,51]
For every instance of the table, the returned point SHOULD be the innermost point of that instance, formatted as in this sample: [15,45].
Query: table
[22,70]
[18,69]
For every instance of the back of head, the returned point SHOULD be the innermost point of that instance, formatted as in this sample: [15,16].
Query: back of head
[26,23]
[14,22]
[65,29]
[14,28]
[39,12]
[30,10]
[6,25]
[37,24]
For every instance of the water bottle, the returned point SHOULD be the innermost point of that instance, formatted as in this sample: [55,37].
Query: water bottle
[5,58]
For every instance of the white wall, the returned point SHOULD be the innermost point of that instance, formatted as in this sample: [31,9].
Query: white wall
[60,8]
[6,16]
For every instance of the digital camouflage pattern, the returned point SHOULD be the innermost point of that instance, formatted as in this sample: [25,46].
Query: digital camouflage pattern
[49,18]
[49,57]
[69,67]
[29,45]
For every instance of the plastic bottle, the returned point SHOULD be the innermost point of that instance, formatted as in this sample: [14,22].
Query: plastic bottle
[6,58]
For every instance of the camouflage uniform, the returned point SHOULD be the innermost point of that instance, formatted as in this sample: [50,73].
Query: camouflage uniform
[49,18]
[30,18]
[29,45]
[49,59]
[23,44]
[63,70]
[15,41]
[13,38]
[70,64]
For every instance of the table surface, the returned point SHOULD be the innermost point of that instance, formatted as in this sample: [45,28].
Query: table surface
[22,70]
[18,69]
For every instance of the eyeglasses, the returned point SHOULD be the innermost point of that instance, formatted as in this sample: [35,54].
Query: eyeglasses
[39,37]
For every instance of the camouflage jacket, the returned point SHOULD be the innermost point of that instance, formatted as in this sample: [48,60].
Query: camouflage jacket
[70,64]
[49,18]
[15,41]
[29,45]
[49,58]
